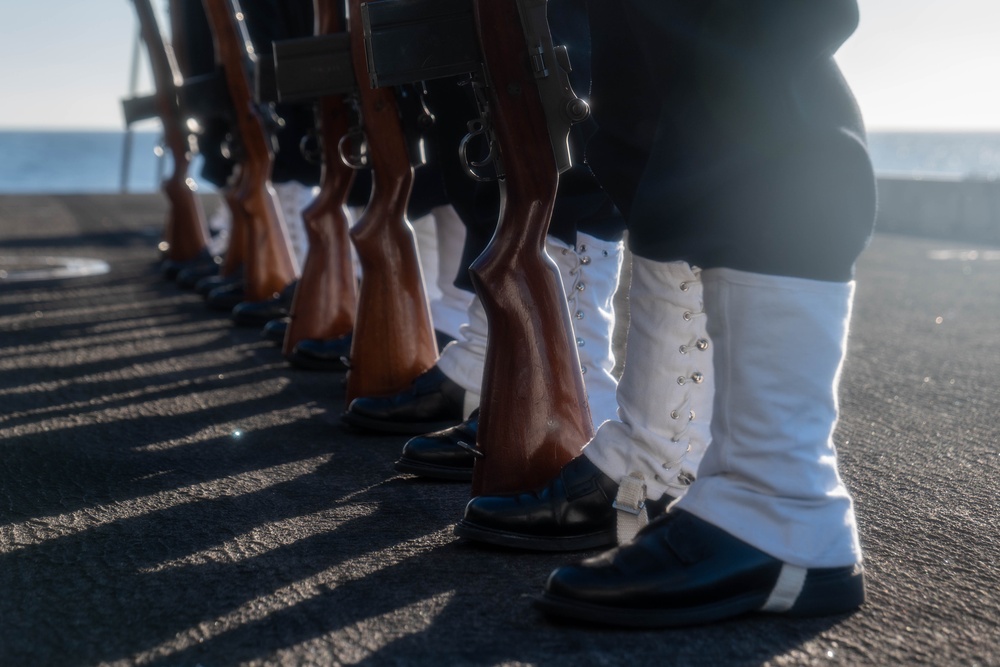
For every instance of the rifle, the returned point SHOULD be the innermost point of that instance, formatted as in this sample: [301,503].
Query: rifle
[530,328]
[269,265]
[236,252]
[533,415]
[325,299]
[185,232]
[205,96]
[393,339]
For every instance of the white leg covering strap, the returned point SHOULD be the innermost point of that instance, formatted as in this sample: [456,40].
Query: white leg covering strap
[294,197]
[770,477]
[464,359]
[449,307]
[786,589]
[590,274]
[630,504]
[665,392]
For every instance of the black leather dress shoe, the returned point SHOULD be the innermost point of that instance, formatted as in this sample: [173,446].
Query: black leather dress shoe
[574,511]
[431,403]
[259,313]
[225,297]
[447,455]
[322,355]
[681,570]
[189,276]
[274,330]
[172,268]
[205,285]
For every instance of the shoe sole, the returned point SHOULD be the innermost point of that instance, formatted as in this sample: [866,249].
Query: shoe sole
[471,531]
[576,610]
[441,473]
[312,364]
[386,426]
[824,593]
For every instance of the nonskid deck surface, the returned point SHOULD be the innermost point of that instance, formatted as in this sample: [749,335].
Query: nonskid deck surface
[173,493]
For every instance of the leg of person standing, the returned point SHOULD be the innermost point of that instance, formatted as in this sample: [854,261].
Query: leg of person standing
[647,454]
[757,173]
[295,175]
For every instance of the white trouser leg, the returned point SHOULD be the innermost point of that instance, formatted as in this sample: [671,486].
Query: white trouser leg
[449,307]
[590,274]
[293,198]
[464,359]
[666,389]
[427,251]
[220,224]
[590,277]
[770,477]
[354,214]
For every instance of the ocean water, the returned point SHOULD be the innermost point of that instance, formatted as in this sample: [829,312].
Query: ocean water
[33,162]
[941,154]
[108,162]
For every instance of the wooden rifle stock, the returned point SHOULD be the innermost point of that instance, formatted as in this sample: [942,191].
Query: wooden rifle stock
[393,339]
[533,416]
[185,231]
[236,251]
[325,300]
[269,265]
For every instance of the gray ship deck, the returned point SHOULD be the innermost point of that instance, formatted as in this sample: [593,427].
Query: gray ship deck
[172,493]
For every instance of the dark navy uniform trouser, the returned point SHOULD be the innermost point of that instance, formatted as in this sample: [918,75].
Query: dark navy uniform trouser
[727,135]
[267,21]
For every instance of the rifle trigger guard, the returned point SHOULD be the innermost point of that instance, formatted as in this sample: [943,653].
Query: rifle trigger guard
[472,167]
[354,160]
[310,147]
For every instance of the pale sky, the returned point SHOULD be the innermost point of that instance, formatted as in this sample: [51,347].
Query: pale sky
[914,64]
